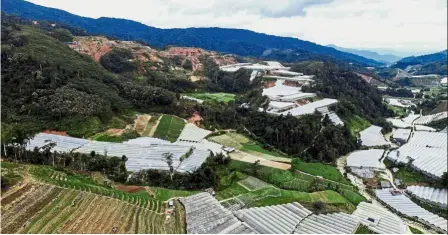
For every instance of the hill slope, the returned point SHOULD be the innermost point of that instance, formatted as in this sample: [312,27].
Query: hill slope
[387,58]
[237,41]
[435,63]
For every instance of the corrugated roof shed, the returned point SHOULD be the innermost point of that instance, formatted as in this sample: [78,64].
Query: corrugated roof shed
[310,108]
[405,206]
[431,118]
[384,222]
[432,195]
[204,214]
[280,219]
[336,223]
[402,134]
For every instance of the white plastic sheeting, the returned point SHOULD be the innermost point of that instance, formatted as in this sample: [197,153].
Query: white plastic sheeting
[336,223]
[334,118]
[424,128]
[280,219]
[146,141]
[193,133]
[404,205]
[310,108]
[379,220]
[372,136]
[401,134]
[431,118]
[428,194]
[366,159]
[63,143]
[398,123]
[204,214]
[399,102]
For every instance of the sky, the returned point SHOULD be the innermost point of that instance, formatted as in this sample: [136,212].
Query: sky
[403,27]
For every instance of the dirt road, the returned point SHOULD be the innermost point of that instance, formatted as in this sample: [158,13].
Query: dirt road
[246,157]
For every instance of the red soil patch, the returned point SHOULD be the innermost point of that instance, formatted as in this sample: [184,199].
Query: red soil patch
[195,119]
[64,133]
[269,84]
[129,188]
[292,83]
[115,132]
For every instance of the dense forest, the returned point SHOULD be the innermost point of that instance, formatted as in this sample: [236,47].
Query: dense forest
[237,41]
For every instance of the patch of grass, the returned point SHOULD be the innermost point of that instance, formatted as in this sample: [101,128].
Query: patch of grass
[216,97]
[398,111]
[362,229]
[356,124]
[415,230]
[169,128]
[107,137]
[231,191]
[320,169]
[254,147]
[164,194]
[407,175]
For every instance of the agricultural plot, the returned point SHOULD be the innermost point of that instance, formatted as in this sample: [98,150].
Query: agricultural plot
[252,183]
[43,208]
[217,97]
[318,169]
[243,143]
[169,128]
[85,183]
[164,194]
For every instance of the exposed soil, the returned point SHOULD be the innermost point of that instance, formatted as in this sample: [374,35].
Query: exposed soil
[195,119]
[246,157]
[129,188]
[115,132]
[141,122]
[292,83]
[269,84]
[54,132]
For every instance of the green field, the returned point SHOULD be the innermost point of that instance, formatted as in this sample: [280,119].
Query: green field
[407,175]
[243,143]
[164,194]
[362,229]
[356,124]
[169,128]
[297,181]
[415,230]
[219,97]
[398,111]
[320,169]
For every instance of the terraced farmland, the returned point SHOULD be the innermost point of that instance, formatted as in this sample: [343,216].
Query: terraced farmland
[169,128]
[43,208]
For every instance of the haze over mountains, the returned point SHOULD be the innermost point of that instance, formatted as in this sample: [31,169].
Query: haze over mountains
[237,41]
[387,58]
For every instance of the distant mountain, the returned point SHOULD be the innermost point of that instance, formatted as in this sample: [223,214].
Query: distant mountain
[435,63]
[386,58]
[238,41]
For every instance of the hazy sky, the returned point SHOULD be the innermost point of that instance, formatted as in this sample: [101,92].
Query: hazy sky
[417,26]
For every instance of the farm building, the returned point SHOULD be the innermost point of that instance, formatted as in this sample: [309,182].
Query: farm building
[335,223]
[284,93]
[365,162]
[372,136]
[204,214]
[423,128]
[404,205]
[428,151]
[310,108]
[193,133]
[443,81]
[334,118]
[378,219]
[142,153]
[271,65]
[398,123]
[401,135]
[286,73]
[399,102]
[280,219]
[431,118]
[276,106]
[431,195]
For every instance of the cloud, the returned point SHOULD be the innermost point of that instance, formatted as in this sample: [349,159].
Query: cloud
[401,25]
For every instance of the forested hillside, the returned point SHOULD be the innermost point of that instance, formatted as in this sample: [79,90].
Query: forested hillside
[427,64]
[237,41]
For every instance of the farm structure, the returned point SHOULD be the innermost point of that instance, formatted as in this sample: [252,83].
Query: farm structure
[379,220]
[399,123]
[309,108]
[427,152]
[269,66]
[399,102]
[365,162]
[333,223]
[204,214]
[401,136]
[431,118]
[280,219]
[334,118]
[139,156]
[404,205]
[193,133]
[43,208]
[423,128]
[430,195]
[372,137]
[284,93]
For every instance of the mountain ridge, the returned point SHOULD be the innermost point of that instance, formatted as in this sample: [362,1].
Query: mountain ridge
[387,58]
[237,41]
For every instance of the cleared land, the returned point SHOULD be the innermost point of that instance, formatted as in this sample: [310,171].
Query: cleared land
[246,157]
[220,97]
[356,124]
[320,169]
[243,143]
[169,128]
